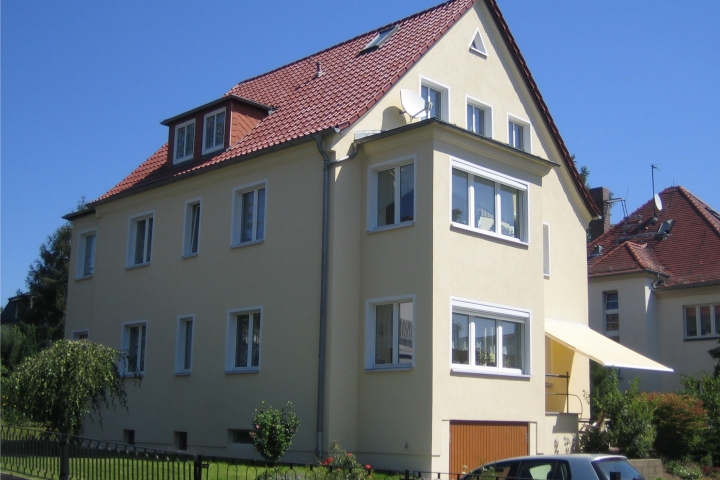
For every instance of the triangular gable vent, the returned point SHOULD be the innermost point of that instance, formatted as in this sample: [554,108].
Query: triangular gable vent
[477,43]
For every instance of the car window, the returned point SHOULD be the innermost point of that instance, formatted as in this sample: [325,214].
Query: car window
[603,468]
[544,470]
[494,470]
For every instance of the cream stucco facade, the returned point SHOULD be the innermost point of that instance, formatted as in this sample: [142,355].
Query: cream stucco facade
[390,417]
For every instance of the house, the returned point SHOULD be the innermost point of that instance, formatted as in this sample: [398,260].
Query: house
[654,285]
[305,238]
[13,311]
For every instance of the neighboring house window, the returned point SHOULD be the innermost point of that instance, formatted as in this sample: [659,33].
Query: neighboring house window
[393,199]
[488,338]
[181,441]
[702,321]
[249,215]
[133,342]
[141,232]
[546,249]
[184,141]
[479,117]
[519,134]
[80,335]
[86,257]
[488,202]
[129,437]
[183,352]
[243,347]
[241,437]
[214,133]
[436,95]
[191,239]
[390,333]
[612,315]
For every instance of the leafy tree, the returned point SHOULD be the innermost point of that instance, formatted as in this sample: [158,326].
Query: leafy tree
[273,431]
[66,381]
[706,388]
[16,343]
[680,421]
[715,354]
[584,172]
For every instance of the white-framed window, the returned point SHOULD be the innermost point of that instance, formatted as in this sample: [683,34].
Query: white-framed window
[184,344]
[191,236]
[392,193]
[248,222]
[702,321]
[140,240]
[478,117]
[488,202]
[243,340]
[611,315]
[546,249]
[488,338]
[134,336]
[81,334]
[184,141]
[214,131]
[437,97]
[86,256]
[519,133]
[477,45]
[390,332]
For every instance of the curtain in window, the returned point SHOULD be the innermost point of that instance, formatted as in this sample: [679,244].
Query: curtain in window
[705,320]
[485,342]
[248,209]
[459,196]
[407,192]
[256,340]
[510,211]
[386,198]
[241,341]
[405,332]
[384,334]
[190,139]
[260,230]
[219,128]
[484,204]
[460,338]
[210,132]
[89,255]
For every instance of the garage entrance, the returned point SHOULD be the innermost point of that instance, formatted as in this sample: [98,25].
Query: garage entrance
[473,444]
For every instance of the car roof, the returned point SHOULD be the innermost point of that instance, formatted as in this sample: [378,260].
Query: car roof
[590,457]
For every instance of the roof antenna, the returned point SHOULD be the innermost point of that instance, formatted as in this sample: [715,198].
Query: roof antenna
[657,203]
[319,72]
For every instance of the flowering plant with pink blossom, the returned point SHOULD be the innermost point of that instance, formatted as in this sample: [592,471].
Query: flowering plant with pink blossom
[342,465]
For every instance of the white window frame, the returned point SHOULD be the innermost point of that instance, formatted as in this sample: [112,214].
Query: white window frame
[80,272]
[499,179]
[494,312]
[186,156]
[487,116]
[237,209]
[547,258]
[480,49]
[373,171]
[142,347]
[147,243]
[527,132]
[230,349]
[614,334]
[189,231]
[714,321]
[444,95]
[80,334]
[370,323]
[181,346]
[218,146]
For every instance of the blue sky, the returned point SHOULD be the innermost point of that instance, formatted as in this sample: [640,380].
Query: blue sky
[85,85]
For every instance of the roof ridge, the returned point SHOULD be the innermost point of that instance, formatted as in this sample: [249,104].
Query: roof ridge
[693,200]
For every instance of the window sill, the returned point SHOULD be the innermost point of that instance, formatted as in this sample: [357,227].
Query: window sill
[178,161]
[139,265]
[389,368]
[504,238]
[245,244]
[700,338]
[482,373]
[85,277]
[189,255]
[216,148]
[392,227]
[133,375]
[241,372]
[182,374]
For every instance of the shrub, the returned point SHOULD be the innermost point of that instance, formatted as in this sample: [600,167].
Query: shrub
[273,431]
[680,421]
[344,466]
[594,440]
[707,389]
[686,471]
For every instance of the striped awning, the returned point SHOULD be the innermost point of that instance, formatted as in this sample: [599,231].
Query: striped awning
[599,348]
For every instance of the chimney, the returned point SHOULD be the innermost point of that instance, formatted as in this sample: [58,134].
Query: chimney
[600,195]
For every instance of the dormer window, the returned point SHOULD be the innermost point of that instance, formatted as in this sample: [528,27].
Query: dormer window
[214,132]
[184,141]
[380,38]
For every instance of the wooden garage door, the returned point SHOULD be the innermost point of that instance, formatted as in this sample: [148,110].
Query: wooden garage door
[473,444]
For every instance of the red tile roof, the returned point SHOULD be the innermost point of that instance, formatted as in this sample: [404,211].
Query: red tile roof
[351,84]
[690,255]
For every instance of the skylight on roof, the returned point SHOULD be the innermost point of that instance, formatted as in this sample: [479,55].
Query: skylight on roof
[380,38]
[477,44]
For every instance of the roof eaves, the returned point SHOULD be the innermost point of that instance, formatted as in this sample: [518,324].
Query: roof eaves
[681,286]
[78,214]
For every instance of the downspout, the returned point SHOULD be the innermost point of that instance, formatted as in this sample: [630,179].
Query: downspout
[323,285]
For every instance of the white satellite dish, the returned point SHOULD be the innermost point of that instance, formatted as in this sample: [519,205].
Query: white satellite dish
[658,203]
[413,103]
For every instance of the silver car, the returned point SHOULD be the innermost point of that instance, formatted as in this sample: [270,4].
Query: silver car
[559,467]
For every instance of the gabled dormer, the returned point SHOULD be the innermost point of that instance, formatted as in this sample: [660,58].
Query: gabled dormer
[211,128]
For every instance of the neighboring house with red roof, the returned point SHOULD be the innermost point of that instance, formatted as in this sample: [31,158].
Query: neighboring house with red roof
[654,286]
[408,282]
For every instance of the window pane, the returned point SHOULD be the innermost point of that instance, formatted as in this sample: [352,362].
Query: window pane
[209,131]
[436,99]
[260,233]
[512,344]
[516,135]
[141,353]
[248,209]
[690,322]
[89,255]
[479,121]
[510,211]
[485,342]
[405,332]
[612,322]
[219,128]
[705,320]
[256,340]
[717,319]
[383,334]
[484,204]
[470,120]
[180,143]
[133,349]
[407,192]
[195,228]
[188,344]
[148,246]
[386,198]
[611,301]
[460,338]
[139,241]
[459,196]
[190,139]
[241,341]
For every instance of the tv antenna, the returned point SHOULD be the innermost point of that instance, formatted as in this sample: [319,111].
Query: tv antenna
[413,104]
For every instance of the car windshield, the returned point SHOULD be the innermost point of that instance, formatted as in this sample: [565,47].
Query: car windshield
[603,468]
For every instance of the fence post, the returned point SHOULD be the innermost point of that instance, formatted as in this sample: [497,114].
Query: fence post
[64,457]
[198,467]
